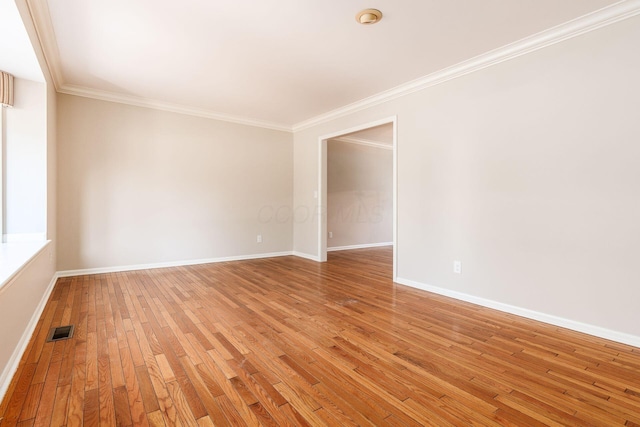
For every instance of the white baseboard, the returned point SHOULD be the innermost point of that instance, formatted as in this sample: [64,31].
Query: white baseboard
[597,331]
[14,361]
[366,245]
[115,269]
[306,256]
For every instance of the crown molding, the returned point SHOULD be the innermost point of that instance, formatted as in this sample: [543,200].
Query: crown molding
[617,12]
[41,18]
[139,101]
[584,24]
[365,142]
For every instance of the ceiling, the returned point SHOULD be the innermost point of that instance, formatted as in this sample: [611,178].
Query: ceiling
[277,62]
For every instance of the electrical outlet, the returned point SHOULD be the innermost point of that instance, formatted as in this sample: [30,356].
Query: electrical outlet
[259,238]
[457,267]
[331,234]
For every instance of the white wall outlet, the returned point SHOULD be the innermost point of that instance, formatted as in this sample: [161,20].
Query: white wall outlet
[457,267]
[315,194]
[259,238]
[331,234]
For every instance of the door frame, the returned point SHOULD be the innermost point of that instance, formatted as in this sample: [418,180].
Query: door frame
[322,185]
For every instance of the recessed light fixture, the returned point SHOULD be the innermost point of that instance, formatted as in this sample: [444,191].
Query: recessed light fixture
[369,16]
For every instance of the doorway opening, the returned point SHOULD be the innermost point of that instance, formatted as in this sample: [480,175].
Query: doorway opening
[358,217]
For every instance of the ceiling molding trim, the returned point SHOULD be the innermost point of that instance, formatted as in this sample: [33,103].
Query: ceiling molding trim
[365,142]
[139,101]
[590,22]
[41,18]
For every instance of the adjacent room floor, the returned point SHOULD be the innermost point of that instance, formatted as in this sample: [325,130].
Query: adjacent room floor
[287,341]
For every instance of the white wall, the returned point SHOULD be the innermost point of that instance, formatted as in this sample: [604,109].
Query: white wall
[359,194]
[527,172]
[26,160]
[142,186]
[23,297]
[22,300]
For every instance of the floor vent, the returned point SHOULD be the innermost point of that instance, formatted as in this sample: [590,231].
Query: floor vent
[60,333]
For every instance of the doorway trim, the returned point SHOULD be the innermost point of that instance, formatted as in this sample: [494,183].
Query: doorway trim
[322,185]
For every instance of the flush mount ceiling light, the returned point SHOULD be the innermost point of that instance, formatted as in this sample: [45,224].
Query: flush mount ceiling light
[369,16]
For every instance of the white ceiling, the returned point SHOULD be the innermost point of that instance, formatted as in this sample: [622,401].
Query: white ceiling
[276,61]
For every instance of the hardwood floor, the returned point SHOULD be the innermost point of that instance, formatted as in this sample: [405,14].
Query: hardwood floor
[286,341]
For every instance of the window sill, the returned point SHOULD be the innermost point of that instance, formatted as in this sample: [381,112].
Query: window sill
[14,256]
